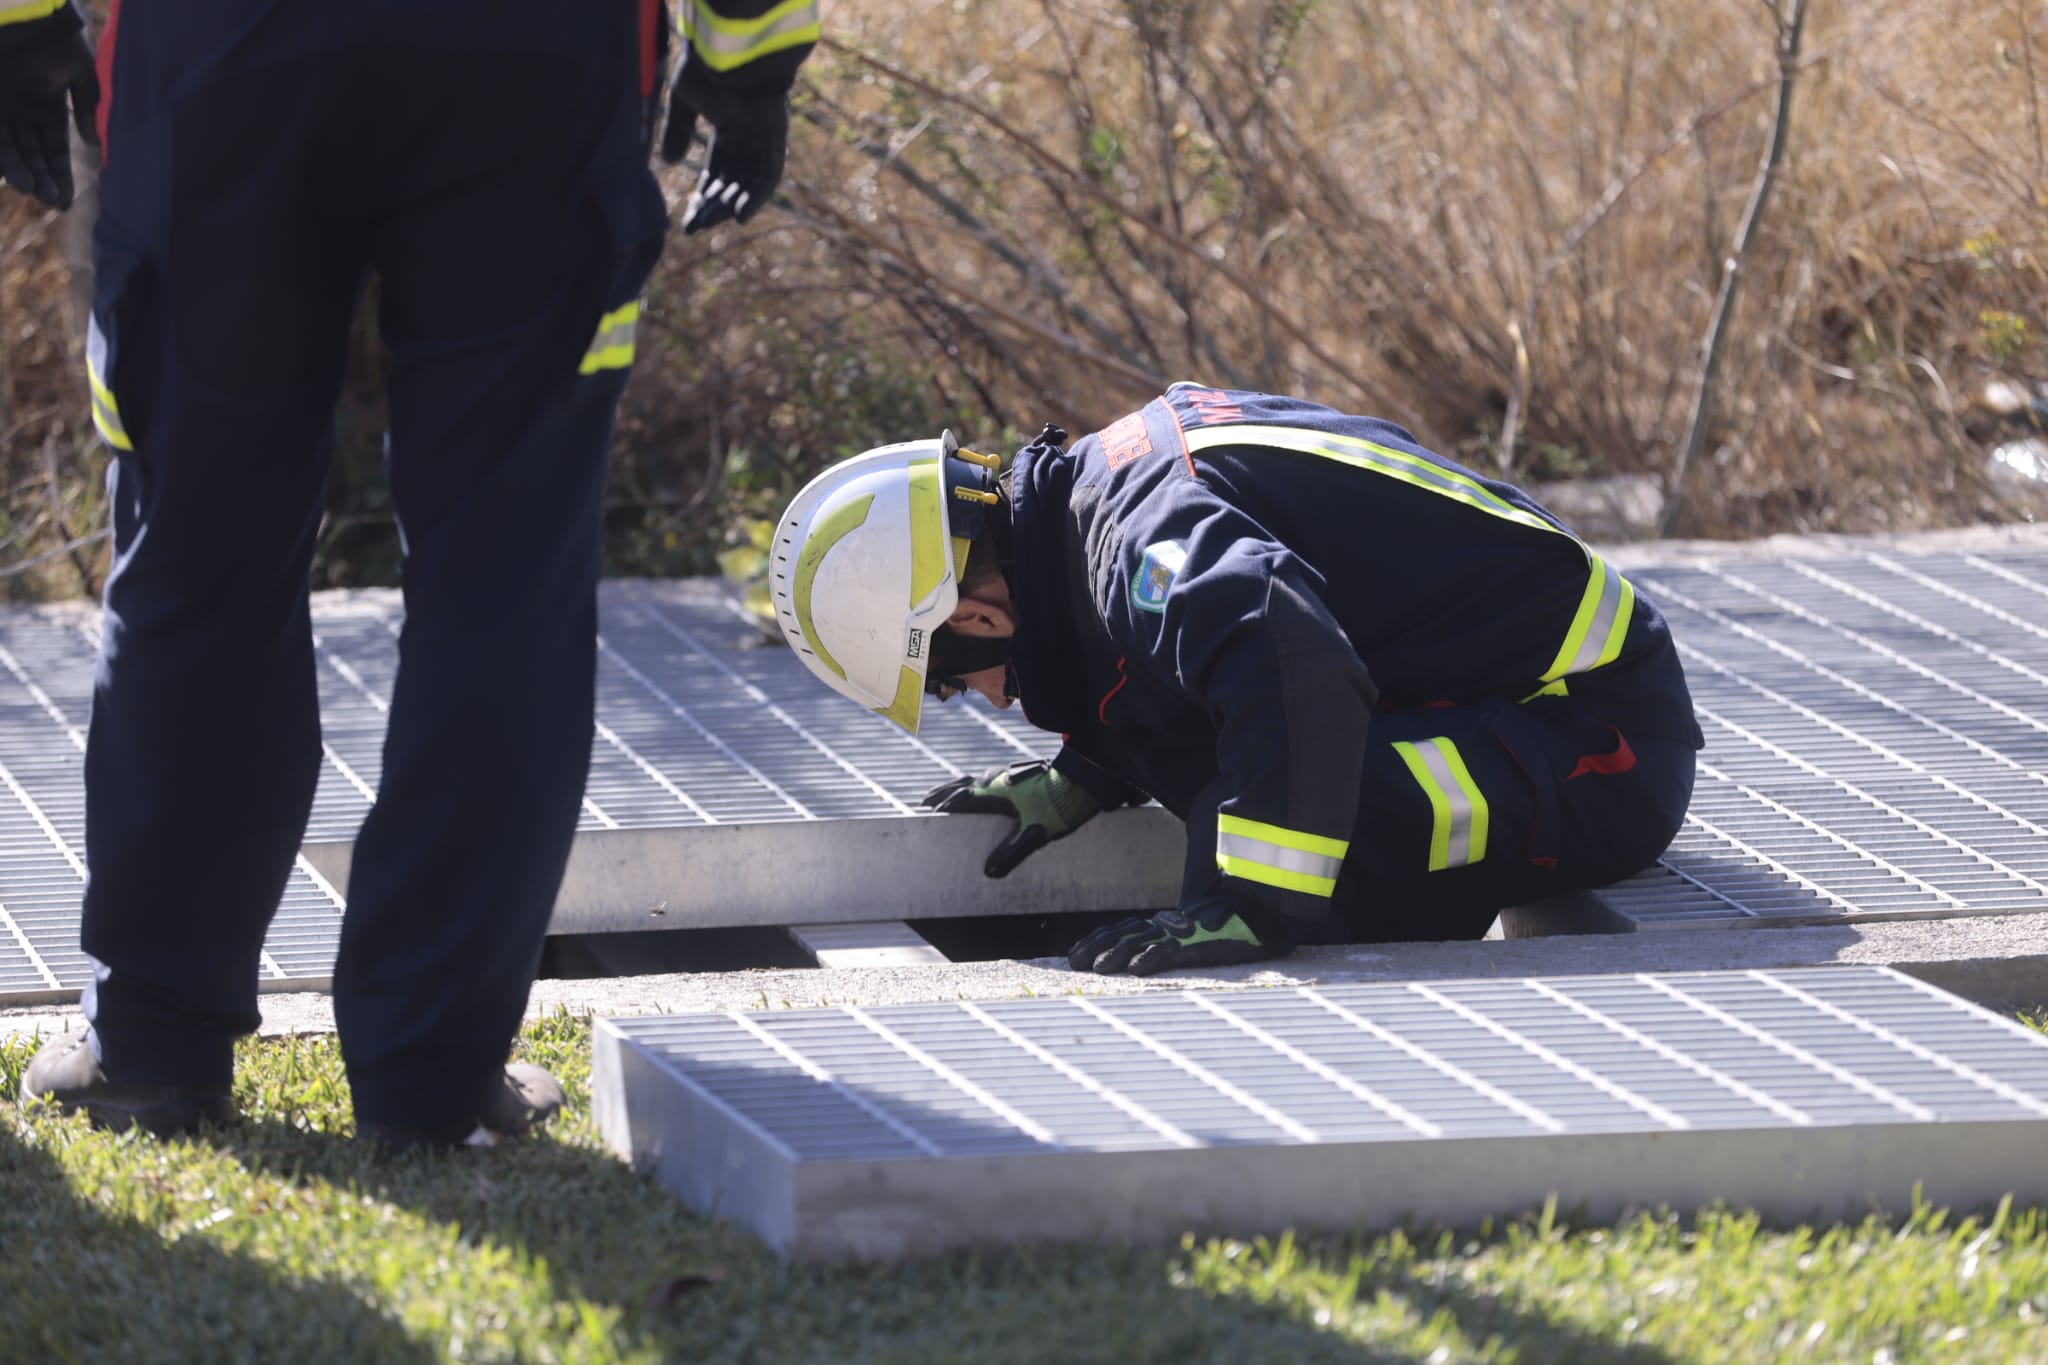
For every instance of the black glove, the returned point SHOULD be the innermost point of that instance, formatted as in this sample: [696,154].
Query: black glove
[749,139]
[1210,933]
[47,81]
[1046,805]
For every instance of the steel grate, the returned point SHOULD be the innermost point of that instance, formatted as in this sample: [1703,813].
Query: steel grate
[1877,747]
[911,1128]
[695,731]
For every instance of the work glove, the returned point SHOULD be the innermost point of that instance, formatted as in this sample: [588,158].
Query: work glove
[1212,932]
[1045,804]
[47,83]
[749,139]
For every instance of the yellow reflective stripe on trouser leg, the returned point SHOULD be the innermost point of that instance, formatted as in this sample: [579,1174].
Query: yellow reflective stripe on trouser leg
[1599,625]
[1286,858]
[722,43]
[612,347]
[106,413]
[1458,808]
[26,10]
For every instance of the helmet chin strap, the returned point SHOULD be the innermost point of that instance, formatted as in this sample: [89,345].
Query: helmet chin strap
[955,656]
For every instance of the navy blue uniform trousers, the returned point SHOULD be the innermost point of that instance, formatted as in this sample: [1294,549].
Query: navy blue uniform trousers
[484,162]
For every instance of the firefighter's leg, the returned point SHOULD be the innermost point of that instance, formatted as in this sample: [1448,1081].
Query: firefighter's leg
[225,280]
[509,279]
[1467,811]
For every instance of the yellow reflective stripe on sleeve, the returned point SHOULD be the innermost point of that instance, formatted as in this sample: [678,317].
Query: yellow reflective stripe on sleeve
[723,44]
[1459,814]
[1550,689]
[612,347]
[1273,856]
[23,12]
[106,413]
[1599,625]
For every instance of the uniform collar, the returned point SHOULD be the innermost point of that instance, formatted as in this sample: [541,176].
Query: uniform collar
[1041,654]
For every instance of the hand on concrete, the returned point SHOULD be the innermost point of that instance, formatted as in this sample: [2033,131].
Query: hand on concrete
[1045,804]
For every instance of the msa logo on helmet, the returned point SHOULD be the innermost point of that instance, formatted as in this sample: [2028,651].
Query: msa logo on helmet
[1155,575]
[915,650]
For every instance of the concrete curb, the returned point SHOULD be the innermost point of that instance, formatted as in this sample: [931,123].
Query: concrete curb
[1998,962]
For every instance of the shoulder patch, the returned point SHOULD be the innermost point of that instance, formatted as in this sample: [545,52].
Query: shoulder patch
[1155,575]
[1125,440]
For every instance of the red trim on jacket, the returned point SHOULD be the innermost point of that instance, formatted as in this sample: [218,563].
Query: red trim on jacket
[106,71]
[1102,707]
[652,12]
[1607,765]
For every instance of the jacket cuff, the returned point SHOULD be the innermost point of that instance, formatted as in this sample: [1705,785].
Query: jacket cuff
[742,49]
[1109,790]
[24,23]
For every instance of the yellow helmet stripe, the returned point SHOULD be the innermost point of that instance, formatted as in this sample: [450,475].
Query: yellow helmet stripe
[927,530]
[829,531]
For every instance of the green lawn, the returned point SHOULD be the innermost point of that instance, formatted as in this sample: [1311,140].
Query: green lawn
[279,1241]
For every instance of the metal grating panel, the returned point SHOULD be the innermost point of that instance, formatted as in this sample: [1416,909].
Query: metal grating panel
[1876,749]
[46,676]
[1877,746]
[696,731]
[907,1129]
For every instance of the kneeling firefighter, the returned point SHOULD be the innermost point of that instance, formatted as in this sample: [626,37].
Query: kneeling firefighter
[1389,697]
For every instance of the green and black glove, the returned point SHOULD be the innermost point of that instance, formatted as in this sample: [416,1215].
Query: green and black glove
[1209,933]
[1046,805]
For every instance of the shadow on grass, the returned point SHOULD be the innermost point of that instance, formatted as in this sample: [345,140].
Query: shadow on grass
[80,1283]
[689,1287]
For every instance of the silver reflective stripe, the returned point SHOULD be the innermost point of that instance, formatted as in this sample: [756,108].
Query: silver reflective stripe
[1458,851]
[1293,860]
[725,43]
[1598,626]
[1604,617]
[612,347]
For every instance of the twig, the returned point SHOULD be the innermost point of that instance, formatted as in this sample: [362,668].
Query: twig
[35,561]
[1790,29]
[1049,162]
[829,222]
[1593,217]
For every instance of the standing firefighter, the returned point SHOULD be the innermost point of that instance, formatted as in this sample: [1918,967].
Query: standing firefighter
[486,160]
[1389,697]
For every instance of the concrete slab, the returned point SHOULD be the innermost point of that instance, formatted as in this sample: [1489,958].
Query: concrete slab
[1999,963]
[879,1132]
[873,943]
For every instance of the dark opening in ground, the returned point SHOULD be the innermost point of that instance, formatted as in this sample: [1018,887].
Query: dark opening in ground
[656,951]
[984,938]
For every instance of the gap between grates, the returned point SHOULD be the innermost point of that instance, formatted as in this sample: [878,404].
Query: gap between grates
[901,1130]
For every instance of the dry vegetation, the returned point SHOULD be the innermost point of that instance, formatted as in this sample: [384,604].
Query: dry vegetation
[998,215]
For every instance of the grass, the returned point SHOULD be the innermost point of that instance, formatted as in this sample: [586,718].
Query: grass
[278,1240]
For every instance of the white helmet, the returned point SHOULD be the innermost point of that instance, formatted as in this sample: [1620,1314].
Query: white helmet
[866,566]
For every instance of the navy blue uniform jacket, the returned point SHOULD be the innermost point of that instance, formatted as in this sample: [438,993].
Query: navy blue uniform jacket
[1214,596]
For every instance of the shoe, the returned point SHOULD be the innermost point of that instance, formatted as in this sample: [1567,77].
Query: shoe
[64,1073]
[529,1097]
